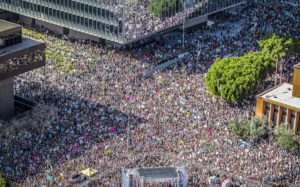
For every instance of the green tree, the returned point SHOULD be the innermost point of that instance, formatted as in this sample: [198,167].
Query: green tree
[286,139]
[165,8]
[3,182]
[275,45]
[237,78]
[258,127]
[238,127]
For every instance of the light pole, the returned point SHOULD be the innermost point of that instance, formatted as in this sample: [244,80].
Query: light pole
[183,24]
[276,69]
[123,18]
[251,133]
[128,135]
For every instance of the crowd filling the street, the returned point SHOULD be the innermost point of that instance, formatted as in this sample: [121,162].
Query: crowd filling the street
[109,116]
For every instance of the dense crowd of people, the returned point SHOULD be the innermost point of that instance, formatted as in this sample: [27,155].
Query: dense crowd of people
[140,21]
[109,117]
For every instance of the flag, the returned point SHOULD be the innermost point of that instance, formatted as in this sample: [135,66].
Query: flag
[49,178]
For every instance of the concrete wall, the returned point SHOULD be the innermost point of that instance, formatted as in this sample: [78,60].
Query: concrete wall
[25,19]
[80,35]
[195,21]
[50,26]
[6,98]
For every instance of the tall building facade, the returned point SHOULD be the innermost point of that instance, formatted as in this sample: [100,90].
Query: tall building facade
[120,21]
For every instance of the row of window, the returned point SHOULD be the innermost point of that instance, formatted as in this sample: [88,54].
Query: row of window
[283,118]
[82,8]
[98,2]
[76,21]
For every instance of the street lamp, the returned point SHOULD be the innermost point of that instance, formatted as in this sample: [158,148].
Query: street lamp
[251,133]
[128,135]
[183,24]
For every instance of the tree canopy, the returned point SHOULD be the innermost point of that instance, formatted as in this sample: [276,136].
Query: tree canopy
[3,182]
[286,139]
[275,45]
[165,8]
[256,128]
[236,78]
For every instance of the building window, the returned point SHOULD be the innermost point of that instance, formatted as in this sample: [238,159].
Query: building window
[70,17]
[78,6]
[46,11]
[82,7]
[275,114]
[267,110]
[90,23]
[99,12]
[90,9]
[62,15]
[292,119]
[78,19]
[94,24]
[73,5]
[283,115]
[50,11]
[73,18]
[54,13]
[66,16]
[94,11]
[82,21]
[86,8]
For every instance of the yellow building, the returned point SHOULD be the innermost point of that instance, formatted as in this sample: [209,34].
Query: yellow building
[281,104]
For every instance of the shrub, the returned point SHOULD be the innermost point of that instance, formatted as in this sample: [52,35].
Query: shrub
[238,127]
[286,139]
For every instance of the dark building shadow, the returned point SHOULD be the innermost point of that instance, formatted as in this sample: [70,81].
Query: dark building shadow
[48,140]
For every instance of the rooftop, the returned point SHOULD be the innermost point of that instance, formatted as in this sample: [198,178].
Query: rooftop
[26,47]
[5,26]
[282,94]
